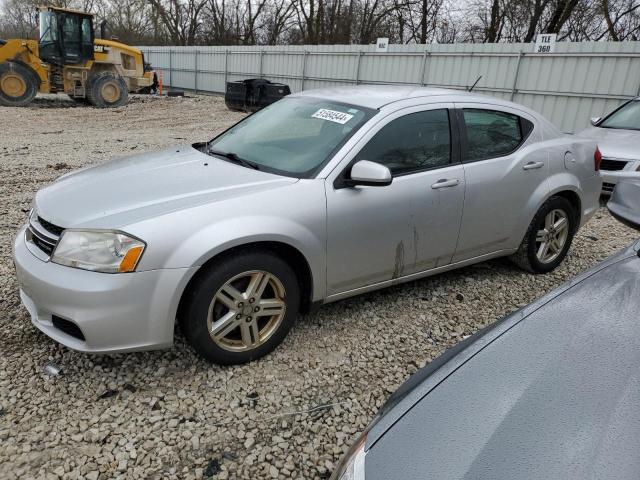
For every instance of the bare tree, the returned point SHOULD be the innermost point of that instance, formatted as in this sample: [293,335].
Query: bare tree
[181,18]
[271,22]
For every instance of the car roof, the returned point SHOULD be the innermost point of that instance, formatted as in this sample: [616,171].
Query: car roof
[377,96]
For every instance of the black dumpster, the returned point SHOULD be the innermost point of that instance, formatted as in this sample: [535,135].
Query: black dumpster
[253,94]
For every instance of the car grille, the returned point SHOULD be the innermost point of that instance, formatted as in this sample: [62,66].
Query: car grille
[612,165]
[50,227]
[67,327]
[608,187]
[44,234]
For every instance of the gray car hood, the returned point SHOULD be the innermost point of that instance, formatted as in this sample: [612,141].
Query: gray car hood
[551,392]
[135,188]
[615,143]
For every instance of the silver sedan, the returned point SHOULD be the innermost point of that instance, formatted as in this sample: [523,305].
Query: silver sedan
[618,138]
[318,197]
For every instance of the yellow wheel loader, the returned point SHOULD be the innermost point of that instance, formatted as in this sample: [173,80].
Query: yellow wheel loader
[68,58]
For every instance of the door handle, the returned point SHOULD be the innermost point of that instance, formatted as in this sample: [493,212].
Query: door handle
[533,165]
[445,183]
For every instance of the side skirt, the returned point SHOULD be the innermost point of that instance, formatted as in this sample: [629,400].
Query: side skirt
[416,276]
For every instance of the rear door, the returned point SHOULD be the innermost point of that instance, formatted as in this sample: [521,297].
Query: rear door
[505,173]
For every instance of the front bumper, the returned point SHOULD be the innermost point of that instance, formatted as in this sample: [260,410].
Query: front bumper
[114,312]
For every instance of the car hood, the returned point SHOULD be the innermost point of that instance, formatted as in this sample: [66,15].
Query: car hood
[135,188]
[551,392]
[615,143]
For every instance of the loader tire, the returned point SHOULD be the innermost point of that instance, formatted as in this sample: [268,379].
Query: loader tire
[107,90]
[18,86]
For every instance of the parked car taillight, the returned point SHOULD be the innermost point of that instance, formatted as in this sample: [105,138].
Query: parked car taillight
[597,159]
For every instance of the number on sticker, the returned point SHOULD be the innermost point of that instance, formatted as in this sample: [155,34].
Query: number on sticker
[332,116]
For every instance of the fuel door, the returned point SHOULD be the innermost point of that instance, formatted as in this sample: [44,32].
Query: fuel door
[569,161]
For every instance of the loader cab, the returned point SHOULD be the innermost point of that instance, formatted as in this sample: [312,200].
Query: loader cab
[66,37]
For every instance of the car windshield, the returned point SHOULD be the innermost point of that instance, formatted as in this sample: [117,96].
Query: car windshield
[294,136]
[627,117]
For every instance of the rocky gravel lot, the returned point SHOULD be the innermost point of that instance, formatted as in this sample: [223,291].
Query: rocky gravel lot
[168,414]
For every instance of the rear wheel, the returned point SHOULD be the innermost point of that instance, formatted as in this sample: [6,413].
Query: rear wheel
[241,308]
[107,89]
[548,238]
[18,86]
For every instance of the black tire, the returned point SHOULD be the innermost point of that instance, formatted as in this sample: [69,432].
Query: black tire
[107,90]
[199,298]
[526,256]
[18,85]
[80,100]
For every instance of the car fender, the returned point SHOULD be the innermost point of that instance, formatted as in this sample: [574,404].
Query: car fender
[566,181]
[211,240]
[560,182]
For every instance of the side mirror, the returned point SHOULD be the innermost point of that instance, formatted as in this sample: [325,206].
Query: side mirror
[624,203]
[370,174]
[595,120]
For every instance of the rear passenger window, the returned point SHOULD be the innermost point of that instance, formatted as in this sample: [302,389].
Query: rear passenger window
[415,142]
[493,134]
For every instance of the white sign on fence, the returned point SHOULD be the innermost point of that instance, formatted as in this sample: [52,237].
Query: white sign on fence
[382,44]
[545,43]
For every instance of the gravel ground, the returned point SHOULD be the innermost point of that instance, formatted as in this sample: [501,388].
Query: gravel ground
[168,414]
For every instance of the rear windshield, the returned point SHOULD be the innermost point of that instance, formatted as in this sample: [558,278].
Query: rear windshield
[294,136]
[626,117]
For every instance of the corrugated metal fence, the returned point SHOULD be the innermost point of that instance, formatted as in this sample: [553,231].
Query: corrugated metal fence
[577,81]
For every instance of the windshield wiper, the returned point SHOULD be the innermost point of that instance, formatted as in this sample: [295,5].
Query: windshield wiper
[619,128]
[234,158]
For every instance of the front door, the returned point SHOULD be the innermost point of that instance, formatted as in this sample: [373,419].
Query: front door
[376,234]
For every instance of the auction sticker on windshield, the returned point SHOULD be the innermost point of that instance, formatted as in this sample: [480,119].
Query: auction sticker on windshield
[332,116]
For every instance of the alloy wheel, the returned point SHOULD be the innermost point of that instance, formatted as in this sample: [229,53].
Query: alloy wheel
[246,311]
[552,237]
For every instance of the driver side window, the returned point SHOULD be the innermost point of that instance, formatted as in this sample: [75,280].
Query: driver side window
[416,142]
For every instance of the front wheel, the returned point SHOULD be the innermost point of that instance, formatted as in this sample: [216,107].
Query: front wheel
[241,307]
[548,238]
[18,85]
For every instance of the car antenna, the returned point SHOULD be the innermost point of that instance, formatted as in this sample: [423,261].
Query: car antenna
[474,84]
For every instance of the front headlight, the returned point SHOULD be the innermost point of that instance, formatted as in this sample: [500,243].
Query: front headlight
[99,251]
[351,467]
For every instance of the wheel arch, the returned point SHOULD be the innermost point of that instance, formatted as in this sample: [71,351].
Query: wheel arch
[574,199]
[565,190]
[285,251]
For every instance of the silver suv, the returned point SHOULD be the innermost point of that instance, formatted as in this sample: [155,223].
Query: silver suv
[320,196]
